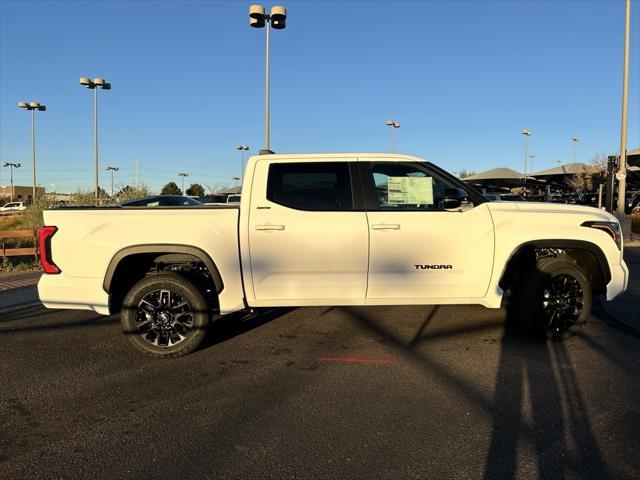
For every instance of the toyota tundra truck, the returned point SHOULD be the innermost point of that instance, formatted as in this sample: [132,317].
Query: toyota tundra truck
[329,230]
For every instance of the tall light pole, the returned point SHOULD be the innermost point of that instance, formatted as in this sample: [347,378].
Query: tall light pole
[182,174]
[622,166]
[33,106]
[12,166]
[531,157]
[235,179]
[242,148]
[259,19]
[393,126]
[575,140]
[527,134]
[94,85]
[112,169]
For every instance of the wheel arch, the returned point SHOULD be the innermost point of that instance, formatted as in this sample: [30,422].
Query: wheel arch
[587,254]
[162,249]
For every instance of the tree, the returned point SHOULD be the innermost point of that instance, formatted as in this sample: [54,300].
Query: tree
[465,173]
[595,174]
[216,187]
[195,190]
[170,189]
[132,193]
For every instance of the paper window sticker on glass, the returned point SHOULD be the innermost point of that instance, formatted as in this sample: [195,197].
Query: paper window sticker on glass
[410,190]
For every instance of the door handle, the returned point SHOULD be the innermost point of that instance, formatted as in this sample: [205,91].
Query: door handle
[269,227]
[385,226]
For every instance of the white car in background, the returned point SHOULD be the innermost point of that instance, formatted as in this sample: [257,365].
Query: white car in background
[13,207]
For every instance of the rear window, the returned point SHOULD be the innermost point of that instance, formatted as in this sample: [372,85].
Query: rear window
[317,186]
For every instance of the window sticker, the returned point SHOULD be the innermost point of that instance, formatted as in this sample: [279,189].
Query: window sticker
[410,190]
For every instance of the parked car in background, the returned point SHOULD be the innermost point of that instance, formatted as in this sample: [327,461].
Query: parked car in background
[13,207]
[161,201]
[633,201]
[504,197]
[221,199]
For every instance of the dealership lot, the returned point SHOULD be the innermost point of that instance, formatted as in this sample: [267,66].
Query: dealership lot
[387,392]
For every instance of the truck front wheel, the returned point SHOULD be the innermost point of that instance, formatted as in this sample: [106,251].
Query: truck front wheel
[165,315]
[553,298]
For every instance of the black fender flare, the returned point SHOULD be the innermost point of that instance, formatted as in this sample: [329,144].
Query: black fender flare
[162,248]
[564,243]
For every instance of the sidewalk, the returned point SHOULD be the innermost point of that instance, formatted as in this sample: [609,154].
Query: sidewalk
[18,290]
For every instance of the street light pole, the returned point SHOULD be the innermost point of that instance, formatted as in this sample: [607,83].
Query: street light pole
[527,134]
[112,169]
[182,174]
[531,157]
[242,148]
[11,167]
[94,85]
[259,19]
[575,140]
[393,126]
[622,165]
[33,106]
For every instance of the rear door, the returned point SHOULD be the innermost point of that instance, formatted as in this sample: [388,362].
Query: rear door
[417,248]
[308,240]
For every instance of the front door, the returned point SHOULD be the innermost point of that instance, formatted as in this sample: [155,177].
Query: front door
[306,241]
[417,248]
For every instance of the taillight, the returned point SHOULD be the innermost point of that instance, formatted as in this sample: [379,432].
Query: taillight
[44,242]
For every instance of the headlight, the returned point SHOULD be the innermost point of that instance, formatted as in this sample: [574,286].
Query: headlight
[612,228]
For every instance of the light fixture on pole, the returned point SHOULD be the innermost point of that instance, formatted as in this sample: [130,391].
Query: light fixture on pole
[531,157]
[277,19]
[393,126]
[575,139]
[242,148]
[94,85]
[183,175]
[33,106]
[12,166]
[112,169]
[235,179]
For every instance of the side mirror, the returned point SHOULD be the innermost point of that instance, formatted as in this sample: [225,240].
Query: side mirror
[453,198]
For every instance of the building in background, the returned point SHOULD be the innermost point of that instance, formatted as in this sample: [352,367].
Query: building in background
[20,193]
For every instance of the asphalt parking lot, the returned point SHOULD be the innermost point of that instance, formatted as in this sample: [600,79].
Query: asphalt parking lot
[387,392]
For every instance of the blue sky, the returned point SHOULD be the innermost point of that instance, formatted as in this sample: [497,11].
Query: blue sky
[463,78]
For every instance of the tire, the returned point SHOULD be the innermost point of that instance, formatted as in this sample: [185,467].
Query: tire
[165,315]
[552,299]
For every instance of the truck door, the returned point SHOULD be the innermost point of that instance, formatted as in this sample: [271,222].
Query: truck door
[307,239]
[417,248]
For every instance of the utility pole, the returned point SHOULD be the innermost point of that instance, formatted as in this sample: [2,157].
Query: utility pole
[622,165]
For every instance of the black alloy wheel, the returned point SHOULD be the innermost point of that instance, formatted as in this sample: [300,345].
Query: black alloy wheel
[165,315]
[164,318]
[562,303]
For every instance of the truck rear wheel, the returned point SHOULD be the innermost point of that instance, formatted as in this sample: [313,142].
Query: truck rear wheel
[553,298]
[165,315]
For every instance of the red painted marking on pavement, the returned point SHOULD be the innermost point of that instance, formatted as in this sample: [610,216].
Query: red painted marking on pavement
[356,359]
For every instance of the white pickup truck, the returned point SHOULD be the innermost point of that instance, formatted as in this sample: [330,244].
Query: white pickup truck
[329,229]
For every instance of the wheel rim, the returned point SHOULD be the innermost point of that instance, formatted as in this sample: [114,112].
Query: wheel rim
[562,303]
[164,318]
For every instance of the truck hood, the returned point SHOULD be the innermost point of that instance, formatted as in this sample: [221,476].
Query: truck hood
[552,208]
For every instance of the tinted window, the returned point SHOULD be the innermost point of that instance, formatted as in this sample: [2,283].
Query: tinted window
[401,186]
[310,186]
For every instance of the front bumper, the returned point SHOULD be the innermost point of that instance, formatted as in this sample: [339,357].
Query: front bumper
[619,280]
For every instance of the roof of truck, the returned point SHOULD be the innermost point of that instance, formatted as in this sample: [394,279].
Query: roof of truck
[315,156]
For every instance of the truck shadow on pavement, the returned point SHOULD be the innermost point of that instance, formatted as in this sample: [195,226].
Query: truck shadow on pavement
[536,399]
